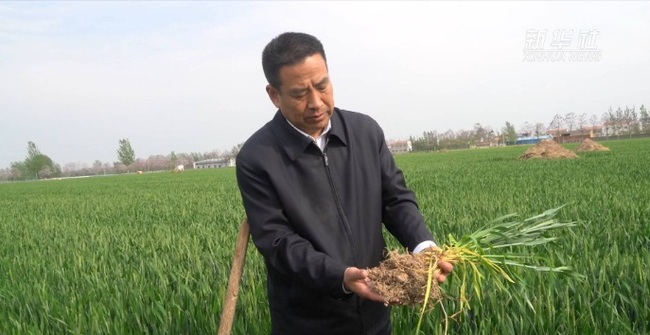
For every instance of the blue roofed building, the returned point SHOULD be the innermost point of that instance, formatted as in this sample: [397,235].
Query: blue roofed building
[532,139]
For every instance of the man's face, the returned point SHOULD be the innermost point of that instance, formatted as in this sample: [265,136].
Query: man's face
[305,97]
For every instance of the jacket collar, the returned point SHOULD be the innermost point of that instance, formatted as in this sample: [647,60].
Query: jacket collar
[295,143]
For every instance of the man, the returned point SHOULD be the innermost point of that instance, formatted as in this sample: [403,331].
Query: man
[317,182]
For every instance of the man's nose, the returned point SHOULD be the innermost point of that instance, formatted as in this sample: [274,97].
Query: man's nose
[314,100]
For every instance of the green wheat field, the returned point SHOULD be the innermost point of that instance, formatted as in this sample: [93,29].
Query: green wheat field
[151,253]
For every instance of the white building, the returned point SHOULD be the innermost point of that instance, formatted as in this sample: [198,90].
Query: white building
[399,146]
[214,163]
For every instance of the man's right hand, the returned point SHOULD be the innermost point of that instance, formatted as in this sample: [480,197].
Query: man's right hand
[356,280]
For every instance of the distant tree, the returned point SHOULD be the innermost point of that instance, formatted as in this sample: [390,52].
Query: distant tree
[556,124]
[158,163]
[46,172]
[464,139]
[38,165]
[32,162]
[510,133]
[32,150]
[570,121]
[631,120]
[18,171]
[447,140]
[97,167]
[428,141]
[125,153]
[235,150]
[69,169]
[527,129]
[539,129]
[644,119]
[480,133]
[582,121]
[617,121]
[593,120]
[119,167]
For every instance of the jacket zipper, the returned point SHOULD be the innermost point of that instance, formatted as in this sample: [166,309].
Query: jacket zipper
[345,224]
[339,208]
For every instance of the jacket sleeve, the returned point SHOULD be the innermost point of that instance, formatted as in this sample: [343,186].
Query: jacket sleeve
[400,213]
[285,252]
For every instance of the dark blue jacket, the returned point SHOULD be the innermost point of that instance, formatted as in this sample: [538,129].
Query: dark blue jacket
[313,214]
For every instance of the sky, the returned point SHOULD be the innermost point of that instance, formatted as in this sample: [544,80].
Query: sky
[75,77]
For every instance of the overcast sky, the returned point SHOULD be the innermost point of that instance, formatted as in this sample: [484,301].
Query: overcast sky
[75,77]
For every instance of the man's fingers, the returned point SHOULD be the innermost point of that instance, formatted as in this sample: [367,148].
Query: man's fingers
[446,267]
[441,278]
[367,293]
[353,273]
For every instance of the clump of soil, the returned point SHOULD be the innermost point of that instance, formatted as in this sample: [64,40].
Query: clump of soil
[590,145]
[402,279]
[548,149]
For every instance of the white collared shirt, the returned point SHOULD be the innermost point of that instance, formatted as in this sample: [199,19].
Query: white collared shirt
[321,140]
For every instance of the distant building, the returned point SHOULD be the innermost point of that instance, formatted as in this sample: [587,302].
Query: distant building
[214,163]
[578,135]
[616,128]
[492,141]
[532,139]
[595,131]
[399,146]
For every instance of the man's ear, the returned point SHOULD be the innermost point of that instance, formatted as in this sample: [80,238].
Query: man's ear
[274,95]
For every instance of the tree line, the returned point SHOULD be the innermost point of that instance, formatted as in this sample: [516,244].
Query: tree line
[37,165]
[619,122]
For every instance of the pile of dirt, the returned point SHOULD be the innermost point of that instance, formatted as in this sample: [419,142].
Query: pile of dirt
[548,149]
[590,145]
[402,279]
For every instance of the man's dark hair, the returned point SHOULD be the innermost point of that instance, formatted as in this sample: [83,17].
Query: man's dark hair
[288,49]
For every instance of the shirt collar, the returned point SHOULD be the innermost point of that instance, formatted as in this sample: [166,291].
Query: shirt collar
[321,140]
[294,143]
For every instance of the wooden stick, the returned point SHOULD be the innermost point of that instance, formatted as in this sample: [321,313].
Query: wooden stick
[230,303]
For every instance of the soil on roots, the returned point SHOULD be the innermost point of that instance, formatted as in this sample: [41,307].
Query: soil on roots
[402,279]
[548,149]
[590,145]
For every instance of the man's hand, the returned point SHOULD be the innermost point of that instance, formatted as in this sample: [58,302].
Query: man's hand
[445,267]
[445,270]
[356,280]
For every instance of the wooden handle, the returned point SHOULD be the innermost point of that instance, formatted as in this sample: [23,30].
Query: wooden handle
[230,303]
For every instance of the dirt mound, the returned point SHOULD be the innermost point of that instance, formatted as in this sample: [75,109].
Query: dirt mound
[402,279]
[589,145]
[548,149]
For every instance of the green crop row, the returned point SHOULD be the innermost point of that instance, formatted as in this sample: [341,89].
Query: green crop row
[151,253]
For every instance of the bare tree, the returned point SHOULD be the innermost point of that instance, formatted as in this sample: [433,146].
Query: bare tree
[526,129]
[582,120]
[593,120]
[570,121]
[556,124]
[539,129]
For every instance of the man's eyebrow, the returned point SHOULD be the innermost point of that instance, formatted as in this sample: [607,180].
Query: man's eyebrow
[323,81]
[303,90]
[298,90]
